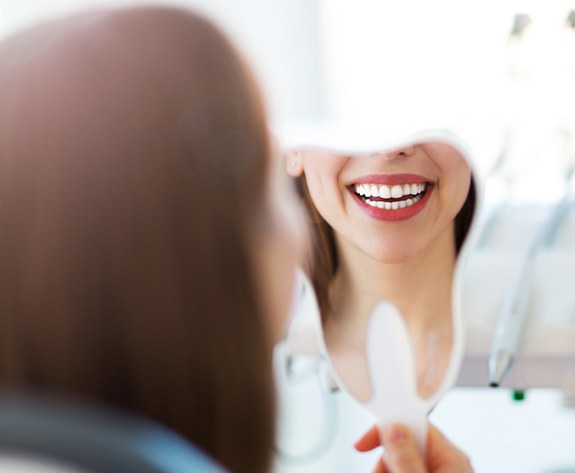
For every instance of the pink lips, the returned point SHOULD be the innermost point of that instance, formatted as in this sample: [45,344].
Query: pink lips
[390,215]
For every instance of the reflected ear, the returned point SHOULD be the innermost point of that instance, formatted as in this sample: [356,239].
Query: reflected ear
[294,163]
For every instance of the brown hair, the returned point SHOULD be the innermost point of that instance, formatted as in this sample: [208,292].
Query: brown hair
[322,264]
[133,159]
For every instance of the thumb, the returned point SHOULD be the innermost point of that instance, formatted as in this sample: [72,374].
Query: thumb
[401,454]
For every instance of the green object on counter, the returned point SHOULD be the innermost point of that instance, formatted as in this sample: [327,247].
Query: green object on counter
[518,395]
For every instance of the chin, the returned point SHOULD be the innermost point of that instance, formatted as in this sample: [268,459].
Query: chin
[395,254]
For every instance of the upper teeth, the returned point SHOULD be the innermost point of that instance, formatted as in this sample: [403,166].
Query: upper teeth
[385,192]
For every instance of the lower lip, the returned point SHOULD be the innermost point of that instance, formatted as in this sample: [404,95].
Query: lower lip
[397,215]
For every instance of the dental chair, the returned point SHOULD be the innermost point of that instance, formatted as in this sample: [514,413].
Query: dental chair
[40,435]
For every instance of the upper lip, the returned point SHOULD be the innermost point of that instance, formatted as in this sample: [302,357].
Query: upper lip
[391,179]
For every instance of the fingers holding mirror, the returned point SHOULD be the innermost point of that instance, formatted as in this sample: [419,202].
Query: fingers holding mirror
[387,225]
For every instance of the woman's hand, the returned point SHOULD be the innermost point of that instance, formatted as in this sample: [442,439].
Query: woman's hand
[402,456]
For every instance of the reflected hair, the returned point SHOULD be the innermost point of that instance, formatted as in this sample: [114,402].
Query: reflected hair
[133,160]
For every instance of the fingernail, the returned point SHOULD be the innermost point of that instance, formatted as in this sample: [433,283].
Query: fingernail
[397,434]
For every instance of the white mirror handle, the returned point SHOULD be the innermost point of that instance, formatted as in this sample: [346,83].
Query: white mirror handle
[393,376]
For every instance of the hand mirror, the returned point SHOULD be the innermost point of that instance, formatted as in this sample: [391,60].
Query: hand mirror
[388,226]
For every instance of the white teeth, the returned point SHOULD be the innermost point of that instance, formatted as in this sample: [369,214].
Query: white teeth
[397,191]
[401,204]
[384,192]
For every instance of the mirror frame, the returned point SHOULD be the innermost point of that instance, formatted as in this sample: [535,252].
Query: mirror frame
[358,145]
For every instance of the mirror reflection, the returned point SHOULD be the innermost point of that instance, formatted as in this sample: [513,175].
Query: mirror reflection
[386,225]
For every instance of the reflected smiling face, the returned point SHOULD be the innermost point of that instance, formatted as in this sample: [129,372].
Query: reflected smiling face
[389,205]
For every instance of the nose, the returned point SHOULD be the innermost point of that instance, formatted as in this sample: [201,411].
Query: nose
[394,154]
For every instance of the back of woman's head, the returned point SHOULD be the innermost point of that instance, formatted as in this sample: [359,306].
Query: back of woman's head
[133,156]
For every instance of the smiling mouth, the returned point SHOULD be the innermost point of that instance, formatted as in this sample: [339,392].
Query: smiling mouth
[398,196]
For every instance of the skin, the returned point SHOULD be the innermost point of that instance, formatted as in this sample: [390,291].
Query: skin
[402,456]
[413,256]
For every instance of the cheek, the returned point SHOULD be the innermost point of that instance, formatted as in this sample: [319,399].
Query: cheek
[456,177]
[461,189]
[316,187]
[322,176]
[326,197]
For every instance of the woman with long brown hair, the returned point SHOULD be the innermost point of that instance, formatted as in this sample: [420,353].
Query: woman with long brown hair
[135,223]
[146,256]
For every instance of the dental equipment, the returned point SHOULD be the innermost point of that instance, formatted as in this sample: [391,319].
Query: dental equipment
[513,316]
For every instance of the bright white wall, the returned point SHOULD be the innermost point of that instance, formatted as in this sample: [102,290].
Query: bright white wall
[415,64]
[404,65]
[280,38]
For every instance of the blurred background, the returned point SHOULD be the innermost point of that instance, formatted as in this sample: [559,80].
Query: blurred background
[499,73]
[481,68]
